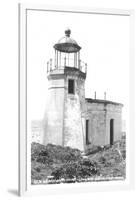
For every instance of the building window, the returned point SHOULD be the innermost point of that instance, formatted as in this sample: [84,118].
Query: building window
[87,132]
[71,86]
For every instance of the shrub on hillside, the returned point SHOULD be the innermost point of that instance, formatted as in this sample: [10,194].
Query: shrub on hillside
[53,154]
[80,169]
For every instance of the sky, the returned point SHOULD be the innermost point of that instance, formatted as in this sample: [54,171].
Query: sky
[105,48]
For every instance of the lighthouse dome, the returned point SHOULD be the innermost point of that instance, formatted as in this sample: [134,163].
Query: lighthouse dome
[67,44]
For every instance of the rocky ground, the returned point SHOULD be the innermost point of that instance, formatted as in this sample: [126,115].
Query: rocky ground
[64,163]
[111,161]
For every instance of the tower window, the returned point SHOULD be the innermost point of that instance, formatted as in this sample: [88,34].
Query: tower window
[71,86]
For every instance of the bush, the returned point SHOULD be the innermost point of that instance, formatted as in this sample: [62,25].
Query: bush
[53,154]
[80,169]
[38,169]
[102,160]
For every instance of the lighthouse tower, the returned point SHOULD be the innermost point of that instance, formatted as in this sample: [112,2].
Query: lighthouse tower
[66,75]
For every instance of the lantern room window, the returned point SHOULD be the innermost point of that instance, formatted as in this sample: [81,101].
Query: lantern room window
[71,86]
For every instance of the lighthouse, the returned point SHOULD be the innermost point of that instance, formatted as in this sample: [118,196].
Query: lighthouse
[71,119]
[66,73]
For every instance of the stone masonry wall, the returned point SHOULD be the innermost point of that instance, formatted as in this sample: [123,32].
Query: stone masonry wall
[53,120]
[73,129]
[99,115]
[114,112]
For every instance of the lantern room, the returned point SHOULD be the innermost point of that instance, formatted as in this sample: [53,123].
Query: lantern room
[67,54]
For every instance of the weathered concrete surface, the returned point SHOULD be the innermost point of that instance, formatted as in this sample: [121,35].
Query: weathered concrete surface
[62,121]
[114,112]
[53,120]
[99,115]
[73,129]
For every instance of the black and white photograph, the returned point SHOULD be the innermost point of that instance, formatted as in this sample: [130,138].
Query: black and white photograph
[69,99]
[77,96]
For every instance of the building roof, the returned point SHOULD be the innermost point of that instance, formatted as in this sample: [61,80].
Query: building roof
[89,100]
[67,44]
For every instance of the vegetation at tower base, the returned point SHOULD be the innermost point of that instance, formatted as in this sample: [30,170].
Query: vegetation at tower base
[64,164]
